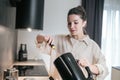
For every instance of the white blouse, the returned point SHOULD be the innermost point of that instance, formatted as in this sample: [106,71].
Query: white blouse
[83,48]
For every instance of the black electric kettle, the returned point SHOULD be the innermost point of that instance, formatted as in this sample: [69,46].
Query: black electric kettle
[69,69]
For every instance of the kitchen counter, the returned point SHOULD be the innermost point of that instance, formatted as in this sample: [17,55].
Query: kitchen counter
[33,78]
[30,62]
[116,67]
[31,70]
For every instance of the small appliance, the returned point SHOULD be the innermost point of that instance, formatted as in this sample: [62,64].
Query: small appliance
[69,70]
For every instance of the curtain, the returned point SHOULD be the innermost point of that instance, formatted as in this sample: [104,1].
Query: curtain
[94,10]
[110,33]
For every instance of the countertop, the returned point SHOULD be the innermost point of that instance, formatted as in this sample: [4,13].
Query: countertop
[116,67]
[39,71]
[30,62]
[33,78]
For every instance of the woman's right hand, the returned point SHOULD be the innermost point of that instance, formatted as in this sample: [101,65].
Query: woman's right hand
[44,38]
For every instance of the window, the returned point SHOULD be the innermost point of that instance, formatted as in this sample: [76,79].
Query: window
[111,33]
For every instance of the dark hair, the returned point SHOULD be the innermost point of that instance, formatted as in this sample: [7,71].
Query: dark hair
[79,10]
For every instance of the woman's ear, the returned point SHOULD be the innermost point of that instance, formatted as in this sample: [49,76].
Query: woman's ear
[84,23]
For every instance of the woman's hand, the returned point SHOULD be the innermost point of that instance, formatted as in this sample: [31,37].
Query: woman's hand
[40,38]
[44,38]
[84,62]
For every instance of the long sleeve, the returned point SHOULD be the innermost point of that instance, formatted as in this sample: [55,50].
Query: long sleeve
[100,62]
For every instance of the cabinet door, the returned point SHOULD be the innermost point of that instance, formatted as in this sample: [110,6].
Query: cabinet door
[115,73]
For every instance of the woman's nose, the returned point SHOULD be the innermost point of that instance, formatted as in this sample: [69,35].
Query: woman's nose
[72,25]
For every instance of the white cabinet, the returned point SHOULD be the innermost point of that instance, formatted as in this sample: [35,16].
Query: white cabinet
[115,73]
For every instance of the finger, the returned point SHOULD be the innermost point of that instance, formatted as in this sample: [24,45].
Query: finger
[49,39]
[39,38]
[77,60]
[82,62]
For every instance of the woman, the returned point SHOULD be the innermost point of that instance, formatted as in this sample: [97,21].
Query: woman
[84,49]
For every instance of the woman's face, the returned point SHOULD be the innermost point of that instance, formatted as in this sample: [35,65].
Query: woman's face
[75,25]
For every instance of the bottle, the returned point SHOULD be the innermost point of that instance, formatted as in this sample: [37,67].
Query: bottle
[20,53]
[25,52]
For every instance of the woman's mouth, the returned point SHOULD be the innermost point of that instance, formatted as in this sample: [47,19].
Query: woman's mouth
[72,31]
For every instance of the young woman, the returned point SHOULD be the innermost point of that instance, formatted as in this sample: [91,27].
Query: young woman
[84,49]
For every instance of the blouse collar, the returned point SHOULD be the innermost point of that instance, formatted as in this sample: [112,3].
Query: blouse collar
[85,39]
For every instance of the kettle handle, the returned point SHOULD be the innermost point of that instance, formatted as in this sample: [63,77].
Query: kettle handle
[90,75]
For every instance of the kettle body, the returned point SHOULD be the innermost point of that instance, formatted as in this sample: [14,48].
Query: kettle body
[69,69]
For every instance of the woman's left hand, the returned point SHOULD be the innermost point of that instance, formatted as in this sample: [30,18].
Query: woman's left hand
[83,62]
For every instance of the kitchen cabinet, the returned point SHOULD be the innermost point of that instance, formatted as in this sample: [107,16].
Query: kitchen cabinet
[31,70]
[115,73]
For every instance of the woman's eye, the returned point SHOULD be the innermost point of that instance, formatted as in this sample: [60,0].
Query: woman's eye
[75,22]
[69,23]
